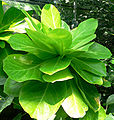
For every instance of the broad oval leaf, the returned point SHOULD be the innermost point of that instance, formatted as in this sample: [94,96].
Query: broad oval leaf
[62,39]
[54,65]
[100,51]
[74,104]
[50,16]
[42,100]
[84,33]
[22,42]
[58,76]
[90,70]
[22,67]
[12,88]
[89,93]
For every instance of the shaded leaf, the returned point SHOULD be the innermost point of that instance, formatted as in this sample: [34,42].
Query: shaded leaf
[12,88]
[91,115]
[90,93]
[4,102]
[1,12]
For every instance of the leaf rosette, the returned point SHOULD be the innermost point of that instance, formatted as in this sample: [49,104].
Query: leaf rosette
[57,67]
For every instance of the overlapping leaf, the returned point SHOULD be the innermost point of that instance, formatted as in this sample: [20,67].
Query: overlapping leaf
[22,67]
[74,104]
[54,65]
[84,33]
[58,76]
[89,92]
[50,16]
[42,100]
[90,70]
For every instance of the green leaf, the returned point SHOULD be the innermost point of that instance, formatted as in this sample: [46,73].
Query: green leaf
[106,83]
[12,88]
[4,102]
[62,39]
[5,36]
[89,92]
[65,25]
[100,51]
[84,33]
[110,100]
[3,54]
[1,12]
[2,80]
[91,115]
[42,100]
[22,67]
[54,65]
[2,44]
[58,76]
[33,23]
[89,69]
[22,42]
[12,16]
[43,42]
[50,16]
[74,104]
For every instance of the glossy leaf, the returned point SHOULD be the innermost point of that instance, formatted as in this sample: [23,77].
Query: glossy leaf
[22,42]
[22,67]
[43,42]
[4,102]
[84,33]
[110,100]
[74,104]
[100,51]
[42,100]
[2,80]
[89,69]
[54,65]
[91,115]
[90,93]
[62,39]
[58,76]
[12,88]
[50,16]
